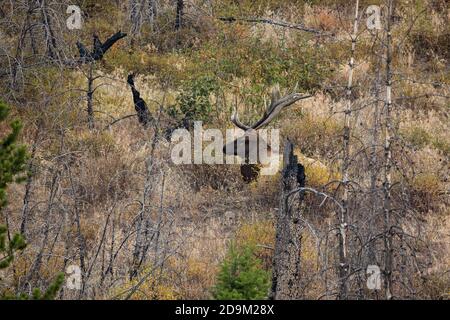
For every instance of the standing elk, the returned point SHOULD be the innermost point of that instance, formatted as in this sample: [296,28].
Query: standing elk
[251,140]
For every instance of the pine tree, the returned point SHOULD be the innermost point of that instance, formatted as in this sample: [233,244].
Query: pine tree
[12,163]
[49,294]
[241,277]
[13,159]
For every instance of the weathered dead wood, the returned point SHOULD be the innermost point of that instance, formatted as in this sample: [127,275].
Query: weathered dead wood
[289,228]
[140,105]
[99,49]
[278,23]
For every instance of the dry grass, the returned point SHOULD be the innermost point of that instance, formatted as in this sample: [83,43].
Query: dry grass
[103,171]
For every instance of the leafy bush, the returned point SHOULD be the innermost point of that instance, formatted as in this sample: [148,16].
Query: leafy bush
[418,137]
[97,144]
[193,103]
[261,236]
[421,138]
[158,286]
[442,145]
[317,173]
[425,189]
[241,276]
[317,137]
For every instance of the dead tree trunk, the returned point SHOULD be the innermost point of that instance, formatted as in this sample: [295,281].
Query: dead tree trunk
[374,167]
[344,218]
[289,227]
[388,245]
[180,15]
[145,223]
[50,38]
[152,13]
[89,97]
[141,12]
[29,183]
[90,57]
[139,104]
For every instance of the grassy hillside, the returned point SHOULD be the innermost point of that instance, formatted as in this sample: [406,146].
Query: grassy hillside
[110,201]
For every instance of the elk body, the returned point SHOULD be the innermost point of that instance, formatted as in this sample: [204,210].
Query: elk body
[251,141]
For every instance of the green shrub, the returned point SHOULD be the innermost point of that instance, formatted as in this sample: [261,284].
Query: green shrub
[418,137]
[12,156]
[7,249]
[12,163]
[241,276]
[49,294]
[13,159]
[193,103]
[442,145]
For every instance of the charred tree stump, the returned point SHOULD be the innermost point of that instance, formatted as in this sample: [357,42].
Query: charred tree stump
[140,106]
[289,228]
[89,58]
[98,48]
[90,97]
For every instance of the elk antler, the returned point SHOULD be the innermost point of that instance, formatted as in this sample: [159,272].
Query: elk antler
[273,109]
[251,141]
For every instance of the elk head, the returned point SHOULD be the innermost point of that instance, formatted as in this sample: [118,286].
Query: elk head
[251,141]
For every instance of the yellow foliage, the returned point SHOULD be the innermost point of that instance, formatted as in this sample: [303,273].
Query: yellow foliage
[156,287]
[427,183]
[315,133]
[425,191]
[258,233]
[261,236]
[317,173]
[321,18]
[198,276]
[95,142]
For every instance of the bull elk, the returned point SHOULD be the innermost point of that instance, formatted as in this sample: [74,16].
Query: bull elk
[251,140]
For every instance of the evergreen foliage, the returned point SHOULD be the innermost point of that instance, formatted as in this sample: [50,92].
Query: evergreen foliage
[241,276]
[13,159]
[193,103]
[12,162]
